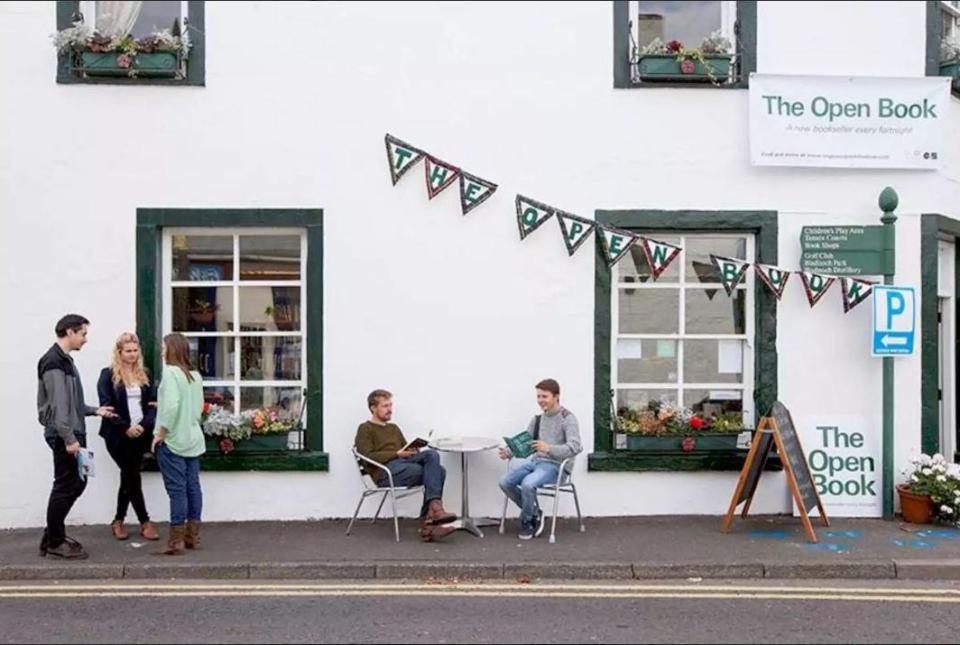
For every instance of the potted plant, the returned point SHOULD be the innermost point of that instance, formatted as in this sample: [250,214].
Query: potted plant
[931,491]
[950,60]
[665,427]
[258,430]
[282,317]
[161,54]
[673,61]
[202,312]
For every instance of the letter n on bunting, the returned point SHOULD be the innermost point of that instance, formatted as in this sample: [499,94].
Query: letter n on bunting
[531,214]
[401,156]
[815,285]
[615,243]
[659,255]
[731,271]
[575,230]
[439,175]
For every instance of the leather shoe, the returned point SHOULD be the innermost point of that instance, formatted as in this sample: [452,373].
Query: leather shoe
[148,531]
[118,530]
[67,551]
[437,515]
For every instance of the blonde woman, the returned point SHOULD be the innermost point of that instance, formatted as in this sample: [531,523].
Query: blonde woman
[178,443]
[125,386]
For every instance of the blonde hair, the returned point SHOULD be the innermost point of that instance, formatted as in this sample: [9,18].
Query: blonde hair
[117,366]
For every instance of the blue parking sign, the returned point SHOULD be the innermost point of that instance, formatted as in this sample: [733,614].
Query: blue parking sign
[894,320]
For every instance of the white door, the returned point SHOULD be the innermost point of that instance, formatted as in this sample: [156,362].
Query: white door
[946,317]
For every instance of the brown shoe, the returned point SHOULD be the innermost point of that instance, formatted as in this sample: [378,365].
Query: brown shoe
[437,515]
[148,531]
[118,530]
[175,543]
[192,538]
[67,551]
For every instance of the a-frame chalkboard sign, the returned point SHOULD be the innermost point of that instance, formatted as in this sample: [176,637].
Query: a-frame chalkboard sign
[777,429]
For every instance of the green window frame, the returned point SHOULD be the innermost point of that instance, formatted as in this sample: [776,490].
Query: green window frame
[151,223]
[196,63]
[935,11]
[761,224]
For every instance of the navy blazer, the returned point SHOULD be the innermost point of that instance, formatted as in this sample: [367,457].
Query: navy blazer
[116,396]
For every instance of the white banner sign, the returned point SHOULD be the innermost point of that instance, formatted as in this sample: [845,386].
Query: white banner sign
[844,122]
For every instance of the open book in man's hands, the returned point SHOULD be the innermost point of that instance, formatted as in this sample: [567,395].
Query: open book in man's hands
[520,445]
[419,443]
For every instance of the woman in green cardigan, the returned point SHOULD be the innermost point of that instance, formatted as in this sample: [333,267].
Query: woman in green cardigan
[178,443]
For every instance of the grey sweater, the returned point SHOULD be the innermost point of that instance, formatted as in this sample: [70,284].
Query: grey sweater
[562,432]
[60,405]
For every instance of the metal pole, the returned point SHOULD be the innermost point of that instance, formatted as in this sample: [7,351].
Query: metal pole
[888,203]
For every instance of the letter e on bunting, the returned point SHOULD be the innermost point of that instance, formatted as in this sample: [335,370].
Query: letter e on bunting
[439,175]
[575,230]
[774,277]
[401,156]
[659,255]
[815,285]
[531,214]
[474,191]
[855,291]
[615,243]
[731,271]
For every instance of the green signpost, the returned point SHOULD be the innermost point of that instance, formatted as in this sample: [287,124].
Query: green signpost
[845,250]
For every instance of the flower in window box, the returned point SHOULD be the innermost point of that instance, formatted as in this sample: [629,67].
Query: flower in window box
[709,61]
[696,423]
[124,61]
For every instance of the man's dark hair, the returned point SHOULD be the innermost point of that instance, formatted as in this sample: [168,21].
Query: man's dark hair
[70,322]
[374,397]
[549,385]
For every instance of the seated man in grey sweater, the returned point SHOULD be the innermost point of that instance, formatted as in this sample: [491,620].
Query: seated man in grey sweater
[556,436]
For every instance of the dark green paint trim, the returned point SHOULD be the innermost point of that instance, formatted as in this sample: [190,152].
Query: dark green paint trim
[763,224]
[934,27]
[196,64]
[150,225]
[746,42]
[627,461]
[294,461]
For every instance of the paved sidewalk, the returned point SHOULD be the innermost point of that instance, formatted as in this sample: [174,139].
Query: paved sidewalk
[611,548]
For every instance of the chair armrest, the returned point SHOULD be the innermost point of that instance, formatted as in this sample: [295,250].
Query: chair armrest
[375,464]
[563,469]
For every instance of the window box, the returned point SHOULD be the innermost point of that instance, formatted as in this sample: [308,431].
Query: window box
[951,68]
[701,441]
[153,65]
[667,67]
[270,442]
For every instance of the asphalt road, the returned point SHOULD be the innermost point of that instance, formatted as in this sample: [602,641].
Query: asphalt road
[446,612]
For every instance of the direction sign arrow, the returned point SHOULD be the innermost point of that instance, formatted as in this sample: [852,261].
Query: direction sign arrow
[893,340]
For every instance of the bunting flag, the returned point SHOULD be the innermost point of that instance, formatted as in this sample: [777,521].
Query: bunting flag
[401,156]
[855,291]
[774,277]
[731,271]
[439,175]
[575,230]
[815,285]
[639,263]
[659,255]
[706,272]
[474,191]
[531,214]
[615,243]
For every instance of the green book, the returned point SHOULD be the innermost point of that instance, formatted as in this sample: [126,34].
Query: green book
[520,445]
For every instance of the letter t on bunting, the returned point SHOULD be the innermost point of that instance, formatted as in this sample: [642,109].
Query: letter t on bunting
[474,191]
[531,214]
[731,271]
[659,255]
[575,230]
[615,243]
[401,156]
[439,175]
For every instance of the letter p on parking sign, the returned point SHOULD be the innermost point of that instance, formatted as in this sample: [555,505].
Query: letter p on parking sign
[894,321]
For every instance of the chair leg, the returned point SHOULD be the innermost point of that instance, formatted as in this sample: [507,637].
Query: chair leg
[576,501]
[503,515]
[379,508]
[355,513]
[396,522]
[556,508]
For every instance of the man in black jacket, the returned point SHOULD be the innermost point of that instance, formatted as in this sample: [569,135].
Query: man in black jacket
[61,411]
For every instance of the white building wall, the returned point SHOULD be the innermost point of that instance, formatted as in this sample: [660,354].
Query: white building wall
[454,314]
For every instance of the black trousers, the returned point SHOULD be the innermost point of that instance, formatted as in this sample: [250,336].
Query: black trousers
[67,488]
[128,455]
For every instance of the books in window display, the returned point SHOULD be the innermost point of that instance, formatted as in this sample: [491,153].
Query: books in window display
[520,445]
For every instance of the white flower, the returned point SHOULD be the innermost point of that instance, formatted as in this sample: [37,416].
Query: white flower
[915,478]
[946,509]
[941,478]
[938,459]
[925,460]
[927,471]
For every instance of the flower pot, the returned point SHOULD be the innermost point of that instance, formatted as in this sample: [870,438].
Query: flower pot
[701,441]
[666,67]
[202,317]
[154,65]
[916,509]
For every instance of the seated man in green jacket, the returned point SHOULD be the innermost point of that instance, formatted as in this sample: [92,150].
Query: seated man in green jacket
[382,441]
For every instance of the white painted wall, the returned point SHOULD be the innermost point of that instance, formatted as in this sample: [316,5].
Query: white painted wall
[454,314]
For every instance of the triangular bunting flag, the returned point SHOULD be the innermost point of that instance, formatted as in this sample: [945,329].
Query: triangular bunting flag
[731,271]
[401,157]
[774,277]
[439,175]
[815,285]
[659,255]
[474,191]
[575,230]
[855,291]
[706,272]
[531,214]
[615,243]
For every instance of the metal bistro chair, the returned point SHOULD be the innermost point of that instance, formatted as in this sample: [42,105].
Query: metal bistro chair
[370,487]
[564,485]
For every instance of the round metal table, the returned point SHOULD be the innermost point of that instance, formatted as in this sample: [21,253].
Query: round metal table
[466,445]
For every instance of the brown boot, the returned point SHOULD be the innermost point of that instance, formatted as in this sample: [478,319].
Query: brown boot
[118,530]
[148,531]
[192,538]
[175,544]
[437,515]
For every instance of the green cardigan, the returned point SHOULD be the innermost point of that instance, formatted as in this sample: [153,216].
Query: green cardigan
[179,407]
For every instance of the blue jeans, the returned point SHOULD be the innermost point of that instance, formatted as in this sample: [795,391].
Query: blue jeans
[181,478]
[423,468]
[520,485]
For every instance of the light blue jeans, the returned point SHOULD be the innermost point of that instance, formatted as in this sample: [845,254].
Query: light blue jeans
[520,485]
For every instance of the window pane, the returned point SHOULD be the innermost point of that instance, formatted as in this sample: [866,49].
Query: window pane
[203,309]
[155,15]
[688,21]
[713,361]
[222,396]
[270,358]
[713,403]
[712,311]
[273,257]
[646,361]
[634,267]
[213,357]
[284,401]
[649,311]
[202,257]
[697,256]
[639,399]
[270,308]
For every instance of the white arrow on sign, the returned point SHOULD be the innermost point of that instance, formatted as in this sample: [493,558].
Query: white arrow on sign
[886,341]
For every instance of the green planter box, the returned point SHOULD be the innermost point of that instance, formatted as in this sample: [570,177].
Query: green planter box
[155,65]
[951,68]
[666,67]
[257,443]
[674,443]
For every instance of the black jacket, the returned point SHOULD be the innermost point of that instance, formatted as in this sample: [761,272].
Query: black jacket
[116,396]
[60,405]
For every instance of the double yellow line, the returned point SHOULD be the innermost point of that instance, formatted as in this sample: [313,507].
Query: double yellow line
[538,591]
